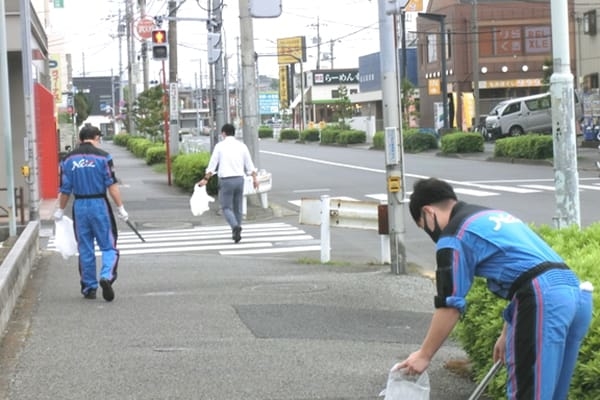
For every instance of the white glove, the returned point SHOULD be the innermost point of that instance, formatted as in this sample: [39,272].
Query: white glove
[122,213]
[58,214]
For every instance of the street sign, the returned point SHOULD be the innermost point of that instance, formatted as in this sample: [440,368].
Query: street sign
[144,28]
[173,101]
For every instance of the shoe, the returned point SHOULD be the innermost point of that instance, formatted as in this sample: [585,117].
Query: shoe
[90,295]
[107,290]
[237,234]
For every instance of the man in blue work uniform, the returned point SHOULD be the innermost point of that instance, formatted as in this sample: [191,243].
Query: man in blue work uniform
[549,311]
[87,173]
[232,160]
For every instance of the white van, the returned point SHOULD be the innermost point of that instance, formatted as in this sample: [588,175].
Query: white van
[527,114]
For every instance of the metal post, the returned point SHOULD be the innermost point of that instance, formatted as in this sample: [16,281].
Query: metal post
[6,124]
[131,96]
[391,120]
[566,177]
[173,83]
[32,153]
[325,230]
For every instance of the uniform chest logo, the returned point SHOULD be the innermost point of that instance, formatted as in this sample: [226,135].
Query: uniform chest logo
[83,163]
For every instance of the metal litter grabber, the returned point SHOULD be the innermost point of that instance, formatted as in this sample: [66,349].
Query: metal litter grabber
[486,380]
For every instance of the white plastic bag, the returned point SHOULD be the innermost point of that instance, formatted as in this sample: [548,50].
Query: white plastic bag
[64,237]
[401,386]
[199,200]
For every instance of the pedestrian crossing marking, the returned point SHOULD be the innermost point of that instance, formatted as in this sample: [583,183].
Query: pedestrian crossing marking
[260,238]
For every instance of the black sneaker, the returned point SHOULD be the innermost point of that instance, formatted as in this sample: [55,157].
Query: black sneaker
[91,294]
[107,290]
[237,234]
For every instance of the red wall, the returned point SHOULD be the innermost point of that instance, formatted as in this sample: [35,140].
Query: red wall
[47,142]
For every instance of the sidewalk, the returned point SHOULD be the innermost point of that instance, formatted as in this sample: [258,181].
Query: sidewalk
[204,326]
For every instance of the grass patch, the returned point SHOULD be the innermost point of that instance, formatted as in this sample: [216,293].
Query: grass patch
[160,168]
[308,261]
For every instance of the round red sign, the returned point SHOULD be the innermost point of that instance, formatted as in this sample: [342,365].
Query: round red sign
[144,28]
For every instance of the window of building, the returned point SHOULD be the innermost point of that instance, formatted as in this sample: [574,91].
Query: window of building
[448,46]
[589,22]
[432,48]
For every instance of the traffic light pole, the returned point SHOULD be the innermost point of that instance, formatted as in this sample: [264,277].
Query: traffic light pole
[174,122]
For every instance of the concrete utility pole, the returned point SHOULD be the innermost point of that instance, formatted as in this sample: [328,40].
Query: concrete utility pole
[32,153]
[173,82]
[250,91]
[131,96]
[566,177]
[219,79]
[393,137]
[145,61]
[6,124]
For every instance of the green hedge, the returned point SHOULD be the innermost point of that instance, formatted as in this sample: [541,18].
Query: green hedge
[531,146]
[351,137]
[310,135]
[138,145]
[156,154]
[415,142]
[265,132]
[121,139]
[462,142]
[189,169]
[289,134]
[329,135]
[482,322]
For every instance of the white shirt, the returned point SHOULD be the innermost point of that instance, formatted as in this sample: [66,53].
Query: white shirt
[230,157]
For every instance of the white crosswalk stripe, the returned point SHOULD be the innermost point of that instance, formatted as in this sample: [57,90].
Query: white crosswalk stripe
[266,238]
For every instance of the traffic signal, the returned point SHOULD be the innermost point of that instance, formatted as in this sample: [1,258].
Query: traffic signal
[160,46]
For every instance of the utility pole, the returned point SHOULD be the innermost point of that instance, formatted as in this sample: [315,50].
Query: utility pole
[173,84]
[31,148]
[6,124]
[131,96]
[250,91]
[475,61]
[566,177]
[318,26]
[219,80]
[145,62]
[393,137]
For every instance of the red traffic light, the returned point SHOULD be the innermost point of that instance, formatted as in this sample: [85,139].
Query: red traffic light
[159,36]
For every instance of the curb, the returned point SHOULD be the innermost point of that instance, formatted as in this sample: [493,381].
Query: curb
[15,269]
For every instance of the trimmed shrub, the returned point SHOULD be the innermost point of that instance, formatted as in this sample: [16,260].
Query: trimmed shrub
[121,139]
[462,142]
[531,146]
[379,140]
[329,135]
[138,145]
[481,325]
[289,134]
[351,137]
[265,132]
[415,142]
[310,135]
[189,169]
[156,154]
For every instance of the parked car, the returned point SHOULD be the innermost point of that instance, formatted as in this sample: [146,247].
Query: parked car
[514,117]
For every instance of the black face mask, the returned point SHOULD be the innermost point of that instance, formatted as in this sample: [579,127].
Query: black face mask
[436,232]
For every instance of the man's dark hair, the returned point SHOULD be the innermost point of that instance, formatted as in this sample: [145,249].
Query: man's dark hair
[89,132]
[228,129]
[429,191]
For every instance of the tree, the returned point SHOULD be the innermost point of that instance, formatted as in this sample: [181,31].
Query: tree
[408,101]
[82,108]
[343,107]
[148,112]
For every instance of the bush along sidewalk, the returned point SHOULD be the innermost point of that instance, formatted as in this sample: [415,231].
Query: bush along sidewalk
[482,322]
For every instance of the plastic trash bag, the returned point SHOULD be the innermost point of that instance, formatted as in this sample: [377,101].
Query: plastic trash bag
[401,386]
[64,237]
[199,200]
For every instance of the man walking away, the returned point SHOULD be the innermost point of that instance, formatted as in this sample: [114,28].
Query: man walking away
[87,173]
[231,158]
